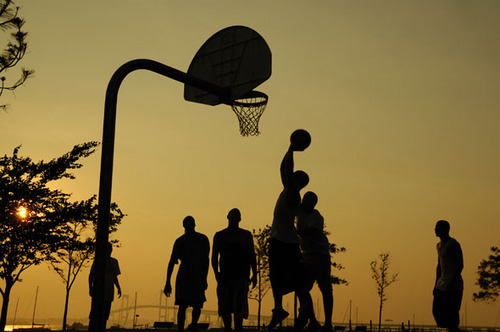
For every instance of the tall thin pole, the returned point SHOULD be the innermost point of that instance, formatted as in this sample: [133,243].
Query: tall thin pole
[34,308]
[97,321]
[15,314]
[350,307]
[159,308]
[135,308]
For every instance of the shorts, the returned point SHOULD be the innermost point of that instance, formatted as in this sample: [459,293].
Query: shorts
[233,297]
[446,308]
[106,309]
[319,268]
[286,271]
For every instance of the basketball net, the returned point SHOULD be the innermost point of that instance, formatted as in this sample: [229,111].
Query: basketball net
[249,109]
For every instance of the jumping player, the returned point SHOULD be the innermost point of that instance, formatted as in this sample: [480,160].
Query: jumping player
[286,271]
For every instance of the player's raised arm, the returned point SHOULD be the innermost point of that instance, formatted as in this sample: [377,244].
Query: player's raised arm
[286,168]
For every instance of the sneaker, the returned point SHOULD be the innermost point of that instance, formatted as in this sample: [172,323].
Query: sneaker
[278,316]
[193,327]
[300,322]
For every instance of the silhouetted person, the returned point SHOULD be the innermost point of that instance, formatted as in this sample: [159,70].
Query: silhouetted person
[192,249]
[233,256]
[449,285]
[111,280]
[286,272]
[316,251]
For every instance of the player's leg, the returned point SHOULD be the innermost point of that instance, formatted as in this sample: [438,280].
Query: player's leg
[238,324]
[240,303]
[181,317]
[454,301]
[276,274]
[323,273]
[195,316]
[226,319]
[305,282]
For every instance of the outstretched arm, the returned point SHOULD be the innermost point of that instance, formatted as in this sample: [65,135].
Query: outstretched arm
[168,285]
[117,284]
[173,260]
[286,168]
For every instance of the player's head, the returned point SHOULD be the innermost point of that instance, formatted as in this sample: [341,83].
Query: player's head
[309,201]
[188,223]
[234,216]
[301,179]
[442,228]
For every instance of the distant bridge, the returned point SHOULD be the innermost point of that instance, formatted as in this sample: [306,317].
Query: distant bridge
[124,316]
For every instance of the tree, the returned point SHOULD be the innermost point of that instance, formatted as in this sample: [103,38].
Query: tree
[334,249]
[15,48]
[489,277]
[30,227]
[380,273]
[261,243]
[77,246]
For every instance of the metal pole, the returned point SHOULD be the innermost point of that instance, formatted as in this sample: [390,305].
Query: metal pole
[97,321]
[34,308]
[15,314]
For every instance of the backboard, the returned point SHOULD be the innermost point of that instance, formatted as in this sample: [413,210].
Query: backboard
[236,57]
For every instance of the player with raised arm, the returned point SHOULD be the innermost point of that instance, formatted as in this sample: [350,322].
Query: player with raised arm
[285,269]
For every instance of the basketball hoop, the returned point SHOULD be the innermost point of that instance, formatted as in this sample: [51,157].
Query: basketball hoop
[249,109]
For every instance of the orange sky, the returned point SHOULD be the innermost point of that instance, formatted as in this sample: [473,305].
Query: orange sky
[401,99]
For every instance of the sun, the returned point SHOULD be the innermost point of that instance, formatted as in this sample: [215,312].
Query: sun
[22,212]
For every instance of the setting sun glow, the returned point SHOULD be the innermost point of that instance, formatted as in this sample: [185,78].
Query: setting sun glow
[22,212]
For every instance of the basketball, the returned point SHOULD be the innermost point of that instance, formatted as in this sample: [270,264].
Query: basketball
[300,140]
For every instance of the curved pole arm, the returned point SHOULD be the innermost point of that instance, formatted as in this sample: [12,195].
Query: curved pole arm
[97,321]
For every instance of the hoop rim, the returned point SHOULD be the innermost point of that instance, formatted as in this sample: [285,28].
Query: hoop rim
[241,101]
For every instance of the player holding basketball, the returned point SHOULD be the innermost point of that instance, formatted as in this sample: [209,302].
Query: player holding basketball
[285,269]
[316,251]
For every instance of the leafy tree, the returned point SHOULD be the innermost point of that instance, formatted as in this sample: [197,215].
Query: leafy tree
[77,246]
[380,273]
[261,244]
[15,48]
[334,249]
[30,227]
[489,277]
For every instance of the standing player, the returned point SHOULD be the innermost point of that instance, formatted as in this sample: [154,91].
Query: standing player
[449,285]
[112,273]
[285,269]
[316,251]
[233,256]
[192,250]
